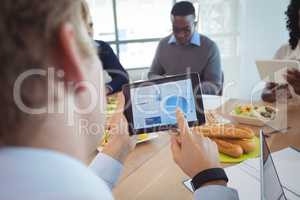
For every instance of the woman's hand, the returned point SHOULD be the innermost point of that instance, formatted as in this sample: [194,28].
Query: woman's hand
[276,92]
[293,78]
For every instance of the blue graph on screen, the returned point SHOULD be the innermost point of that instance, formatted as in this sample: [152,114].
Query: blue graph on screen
[174,102]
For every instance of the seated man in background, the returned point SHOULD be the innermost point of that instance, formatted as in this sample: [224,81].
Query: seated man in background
[188,51]
[290,51]
[110,61]
[52,109]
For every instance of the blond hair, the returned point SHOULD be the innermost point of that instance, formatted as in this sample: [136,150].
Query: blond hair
[85,10]
[28,36]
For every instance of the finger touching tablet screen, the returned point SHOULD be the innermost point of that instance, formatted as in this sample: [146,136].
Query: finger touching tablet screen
[151,105]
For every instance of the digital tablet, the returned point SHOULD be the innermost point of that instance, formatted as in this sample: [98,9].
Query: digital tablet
[274,70]
[151,105]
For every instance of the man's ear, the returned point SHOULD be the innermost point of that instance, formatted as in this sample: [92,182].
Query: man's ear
[70,59]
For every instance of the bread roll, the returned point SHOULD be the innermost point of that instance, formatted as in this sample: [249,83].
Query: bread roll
[227,148]
[248,146]
[225,131]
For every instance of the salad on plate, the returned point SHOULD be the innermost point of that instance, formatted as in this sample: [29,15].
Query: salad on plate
[251,111]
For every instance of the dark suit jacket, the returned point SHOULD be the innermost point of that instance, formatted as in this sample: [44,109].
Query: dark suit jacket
[112,65]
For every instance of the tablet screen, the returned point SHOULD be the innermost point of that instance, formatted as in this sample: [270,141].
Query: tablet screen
[155,105]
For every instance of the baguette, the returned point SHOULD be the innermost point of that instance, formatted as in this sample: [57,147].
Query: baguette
[232,150]
[248,146]
[225,132]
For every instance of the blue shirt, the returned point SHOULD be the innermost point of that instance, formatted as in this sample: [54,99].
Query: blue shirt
[112,66]
[195,40]
[37,174]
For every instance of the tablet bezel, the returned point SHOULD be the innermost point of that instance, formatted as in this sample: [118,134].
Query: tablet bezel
[196,84]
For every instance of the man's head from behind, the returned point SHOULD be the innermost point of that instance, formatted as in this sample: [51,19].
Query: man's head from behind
[183,21]
[37,36]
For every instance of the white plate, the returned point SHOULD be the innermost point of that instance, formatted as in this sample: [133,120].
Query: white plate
[249,120]
[256,120]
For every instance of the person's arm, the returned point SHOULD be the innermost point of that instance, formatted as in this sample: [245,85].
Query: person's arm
[212,76]
[216,192]
[215,189]
[114,68]
[107,168]
[156,69]
[197,156]
[108,164]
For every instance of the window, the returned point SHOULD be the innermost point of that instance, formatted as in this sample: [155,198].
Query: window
[135,55]
[103,17]
[218,19]
[134,27]
[143,19]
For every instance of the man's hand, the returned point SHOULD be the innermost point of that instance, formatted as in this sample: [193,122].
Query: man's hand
[118,112]
[120,144]
[193,153]
[293,78]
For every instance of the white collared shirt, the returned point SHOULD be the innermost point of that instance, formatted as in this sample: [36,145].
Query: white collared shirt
[195,40]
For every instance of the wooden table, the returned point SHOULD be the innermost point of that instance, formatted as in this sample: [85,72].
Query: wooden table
[150,172]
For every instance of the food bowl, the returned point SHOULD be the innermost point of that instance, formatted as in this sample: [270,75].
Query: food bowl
[254,115]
